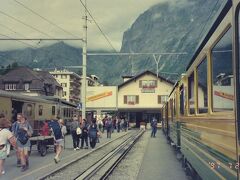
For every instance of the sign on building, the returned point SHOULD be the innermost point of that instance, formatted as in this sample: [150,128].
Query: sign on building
[101,97]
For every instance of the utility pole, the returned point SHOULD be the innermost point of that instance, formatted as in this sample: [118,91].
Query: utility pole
[157,61]
[84,64]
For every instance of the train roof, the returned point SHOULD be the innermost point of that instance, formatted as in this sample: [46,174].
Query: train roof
[220,17]
[57,99]
[17,96]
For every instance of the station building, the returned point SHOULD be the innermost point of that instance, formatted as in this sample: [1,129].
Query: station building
[138,98]
[141,97]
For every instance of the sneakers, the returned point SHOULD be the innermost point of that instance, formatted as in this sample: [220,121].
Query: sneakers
[74,149]
[24,168]
[3,172]
[56,159]
[77,148]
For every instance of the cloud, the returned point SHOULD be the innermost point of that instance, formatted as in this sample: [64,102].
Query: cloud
[113,16]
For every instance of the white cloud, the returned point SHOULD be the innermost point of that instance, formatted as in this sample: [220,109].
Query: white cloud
[113,16]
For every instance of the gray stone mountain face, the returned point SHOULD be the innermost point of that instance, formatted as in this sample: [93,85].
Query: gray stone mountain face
[176,26]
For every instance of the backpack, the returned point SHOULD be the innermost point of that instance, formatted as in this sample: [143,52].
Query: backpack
[93,131]
[22,136]
[56,130]
[108,124]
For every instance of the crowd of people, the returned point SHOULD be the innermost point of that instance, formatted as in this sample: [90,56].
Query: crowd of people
[83,132]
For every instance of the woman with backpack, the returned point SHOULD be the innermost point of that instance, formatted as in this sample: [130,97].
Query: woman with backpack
[5,137]
[93,133]
[24,132]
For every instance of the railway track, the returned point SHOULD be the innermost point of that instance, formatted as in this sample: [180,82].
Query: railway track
[98,163]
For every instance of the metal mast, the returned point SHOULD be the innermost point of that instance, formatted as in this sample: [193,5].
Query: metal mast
[84,64]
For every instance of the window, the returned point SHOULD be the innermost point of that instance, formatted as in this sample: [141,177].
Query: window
[148,83]
[64,84]
[53,110]
[64,93]
[162,99]
[191,101]
[26,86]
[202,87]
[10,86]
[131,99]
[40,110]
[222,74]
[64,76]
[182,100]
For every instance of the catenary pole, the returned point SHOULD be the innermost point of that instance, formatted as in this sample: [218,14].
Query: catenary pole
[84,64]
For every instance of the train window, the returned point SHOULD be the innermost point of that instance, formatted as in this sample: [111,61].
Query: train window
[53,110]
[174,105]
[222,74]
[182,100]
[40,110]
[191,93]
[29,110]
[202,87]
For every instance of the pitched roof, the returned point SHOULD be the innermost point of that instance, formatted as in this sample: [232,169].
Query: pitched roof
[141,74]
[20,73]
[26,74]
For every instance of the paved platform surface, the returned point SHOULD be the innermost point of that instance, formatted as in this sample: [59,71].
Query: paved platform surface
[40,165]
[159,161]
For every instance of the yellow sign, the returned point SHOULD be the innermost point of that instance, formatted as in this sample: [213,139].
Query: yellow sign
[99,96]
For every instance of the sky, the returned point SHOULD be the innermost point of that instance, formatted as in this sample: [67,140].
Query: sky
[113,16]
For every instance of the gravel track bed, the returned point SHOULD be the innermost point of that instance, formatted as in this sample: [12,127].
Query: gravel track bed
[82,165]
[129,167]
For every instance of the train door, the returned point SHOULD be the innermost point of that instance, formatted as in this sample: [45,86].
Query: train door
[17,107]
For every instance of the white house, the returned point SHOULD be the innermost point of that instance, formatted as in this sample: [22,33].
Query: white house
[141,97]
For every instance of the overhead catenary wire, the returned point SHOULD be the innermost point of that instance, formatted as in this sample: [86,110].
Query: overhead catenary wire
[12,17]
[208,18]
[44,18]
[12,31]
[105,36]
[27,44]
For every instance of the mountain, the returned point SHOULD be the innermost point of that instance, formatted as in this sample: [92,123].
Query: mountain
[176,26]
[166,28]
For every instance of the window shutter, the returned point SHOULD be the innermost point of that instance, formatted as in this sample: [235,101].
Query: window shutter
[159,99]
[137,99]
[140,83]
[125,99]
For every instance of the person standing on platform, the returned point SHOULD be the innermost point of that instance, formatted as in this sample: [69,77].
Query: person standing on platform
[109,127]
[14,131]
[74,129]
[154,127]
[5,137]
[24,132]
[84,136]
[93,133]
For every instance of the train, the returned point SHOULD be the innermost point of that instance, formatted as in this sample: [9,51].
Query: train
[201,117]
[36,108]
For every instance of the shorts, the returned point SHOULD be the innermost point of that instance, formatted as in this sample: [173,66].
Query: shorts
[23,147]
[3,154]
[59,142]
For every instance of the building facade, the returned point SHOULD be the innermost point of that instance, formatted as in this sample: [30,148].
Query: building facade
[30,82]
[141,97]
[70,83]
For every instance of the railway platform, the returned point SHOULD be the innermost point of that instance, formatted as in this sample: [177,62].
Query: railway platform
[159,161]
[39,166]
